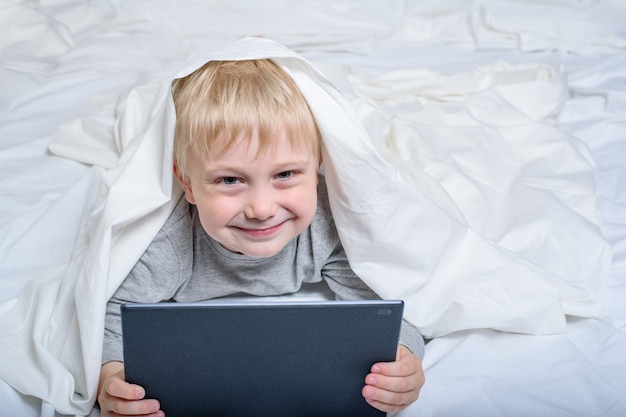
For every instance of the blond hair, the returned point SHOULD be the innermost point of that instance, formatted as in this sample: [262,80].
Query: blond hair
[228,99]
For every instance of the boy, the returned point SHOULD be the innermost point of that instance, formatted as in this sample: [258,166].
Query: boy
[247,155]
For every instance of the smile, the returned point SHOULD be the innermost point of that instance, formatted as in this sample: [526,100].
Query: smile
[262,233]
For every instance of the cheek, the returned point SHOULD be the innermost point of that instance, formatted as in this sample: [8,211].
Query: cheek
[215,212]
[306,202]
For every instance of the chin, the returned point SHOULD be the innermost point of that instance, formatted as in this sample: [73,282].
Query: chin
[262,252]
[256,250]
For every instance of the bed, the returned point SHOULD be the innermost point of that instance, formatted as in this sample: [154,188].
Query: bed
[499,128]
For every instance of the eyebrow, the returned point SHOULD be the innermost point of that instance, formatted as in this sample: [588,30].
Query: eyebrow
[279,167]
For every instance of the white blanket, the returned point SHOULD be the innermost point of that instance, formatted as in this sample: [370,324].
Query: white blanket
[453,193]
[462,198]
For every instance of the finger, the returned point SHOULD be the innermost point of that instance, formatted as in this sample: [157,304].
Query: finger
[127,399]
[406,364]
[386,408]
[136,408]
[117,387]
[401,368]
[388,401]
[394,384]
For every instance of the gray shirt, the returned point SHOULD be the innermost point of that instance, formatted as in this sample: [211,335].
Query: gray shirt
[183,263]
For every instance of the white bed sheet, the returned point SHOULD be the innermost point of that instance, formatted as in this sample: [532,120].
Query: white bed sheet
[102,48]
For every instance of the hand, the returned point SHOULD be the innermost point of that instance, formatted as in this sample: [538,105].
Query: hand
[119,398]
[392,386]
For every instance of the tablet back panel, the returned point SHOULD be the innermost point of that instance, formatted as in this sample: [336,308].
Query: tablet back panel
[259,359]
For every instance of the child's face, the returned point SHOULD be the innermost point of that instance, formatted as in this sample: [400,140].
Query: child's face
[254,204]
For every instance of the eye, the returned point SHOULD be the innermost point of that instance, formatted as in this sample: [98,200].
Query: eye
[229,180]
[284,175]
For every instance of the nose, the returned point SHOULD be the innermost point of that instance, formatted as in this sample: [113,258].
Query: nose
[261,204]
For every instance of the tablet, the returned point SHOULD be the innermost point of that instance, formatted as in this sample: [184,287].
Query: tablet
[278,359]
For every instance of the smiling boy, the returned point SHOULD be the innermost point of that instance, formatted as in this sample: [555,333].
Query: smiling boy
[254,219]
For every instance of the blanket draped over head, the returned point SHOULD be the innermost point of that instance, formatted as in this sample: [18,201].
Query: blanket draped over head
[453,193]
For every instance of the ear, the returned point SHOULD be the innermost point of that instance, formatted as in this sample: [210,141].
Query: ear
[183,180]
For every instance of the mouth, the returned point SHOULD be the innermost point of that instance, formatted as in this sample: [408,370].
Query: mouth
[259,233]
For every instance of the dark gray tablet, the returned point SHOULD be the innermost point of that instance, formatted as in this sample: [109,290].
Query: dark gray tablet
[284,359]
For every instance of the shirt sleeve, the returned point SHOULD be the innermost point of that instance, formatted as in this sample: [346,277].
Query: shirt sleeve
[155,277]
[411,337]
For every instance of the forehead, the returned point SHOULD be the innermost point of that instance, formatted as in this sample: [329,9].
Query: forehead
[253,143]
[282,145]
